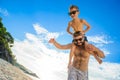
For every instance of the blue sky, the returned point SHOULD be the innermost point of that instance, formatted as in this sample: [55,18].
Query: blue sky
[103,16]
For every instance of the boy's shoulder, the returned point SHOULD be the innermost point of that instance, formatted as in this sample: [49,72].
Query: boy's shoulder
[70,22]
[82,20]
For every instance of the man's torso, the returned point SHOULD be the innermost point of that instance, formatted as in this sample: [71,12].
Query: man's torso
[81,58]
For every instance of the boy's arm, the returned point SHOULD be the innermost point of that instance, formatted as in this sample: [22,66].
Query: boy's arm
[68,28]
[87,25]
[56,44]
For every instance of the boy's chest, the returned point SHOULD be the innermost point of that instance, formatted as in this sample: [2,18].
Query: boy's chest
[77,25]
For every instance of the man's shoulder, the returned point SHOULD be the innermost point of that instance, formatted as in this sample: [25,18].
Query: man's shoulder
[88,46]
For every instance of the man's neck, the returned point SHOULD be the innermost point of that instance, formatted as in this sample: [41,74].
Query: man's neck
[80,46]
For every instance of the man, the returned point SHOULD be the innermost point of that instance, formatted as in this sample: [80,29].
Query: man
[80,52]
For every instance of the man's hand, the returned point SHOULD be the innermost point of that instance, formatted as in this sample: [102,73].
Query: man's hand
[68,65]
[52,40]
[100,61]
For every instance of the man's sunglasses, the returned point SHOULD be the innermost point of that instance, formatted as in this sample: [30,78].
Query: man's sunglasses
[76,40]
[73,12]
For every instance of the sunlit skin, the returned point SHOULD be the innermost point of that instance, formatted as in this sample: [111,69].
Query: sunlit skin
[79,54]
[77,24]
[79,43]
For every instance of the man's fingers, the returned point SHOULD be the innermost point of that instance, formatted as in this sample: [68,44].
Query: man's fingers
[51,40]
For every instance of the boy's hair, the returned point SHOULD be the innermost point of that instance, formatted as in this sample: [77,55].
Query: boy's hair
[73,6]
[77,33]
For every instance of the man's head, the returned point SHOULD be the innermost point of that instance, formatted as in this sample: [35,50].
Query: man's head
[78,38]
[73,11]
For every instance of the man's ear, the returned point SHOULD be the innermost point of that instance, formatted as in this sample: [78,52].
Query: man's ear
[83,39]
[73,41]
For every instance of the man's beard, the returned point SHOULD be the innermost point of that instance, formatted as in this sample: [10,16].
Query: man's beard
[82,44]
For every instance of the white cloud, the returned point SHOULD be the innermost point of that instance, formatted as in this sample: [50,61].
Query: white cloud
[105,71]
[42,32]
[39,29]
[99,39]
[51,64]
[4,12]
[31,37]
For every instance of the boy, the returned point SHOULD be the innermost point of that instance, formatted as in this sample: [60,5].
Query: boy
[77,25]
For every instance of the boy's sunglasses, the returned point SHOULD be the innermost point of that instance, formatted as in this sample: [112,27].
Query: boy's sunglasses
[73,12]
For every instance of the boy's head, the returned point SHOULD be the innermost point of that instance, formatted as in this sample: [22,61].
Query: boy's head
[77,33]
[73,6]
[73,11]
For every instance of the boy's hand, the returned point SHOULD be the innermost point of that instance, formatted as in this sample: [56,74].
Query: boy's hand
[83,32]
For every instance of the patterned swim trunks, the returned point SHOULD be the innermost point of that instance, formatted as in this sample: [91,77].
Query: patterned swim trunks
[75,74]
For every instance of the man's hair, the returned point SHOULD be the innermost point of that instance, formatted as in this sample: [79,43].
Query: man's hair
[73,6]
[77,33]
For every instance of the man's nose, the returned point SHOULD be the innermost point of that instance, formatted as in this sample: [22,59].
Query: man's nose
[79,41]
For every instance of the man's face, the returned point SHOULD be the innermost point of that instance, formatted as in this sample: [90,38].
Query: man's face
[79,40]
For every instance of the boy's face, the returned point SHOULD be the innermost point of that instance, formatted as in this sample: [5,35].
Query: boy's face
[73,13]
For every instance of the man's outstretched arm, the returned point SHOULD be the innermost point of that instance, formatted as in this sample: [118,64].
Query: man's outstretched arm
[59,46]
[94,50]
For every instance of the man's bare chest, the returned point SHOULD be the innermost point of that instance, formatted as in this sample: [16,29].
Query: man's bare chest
[81,53]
